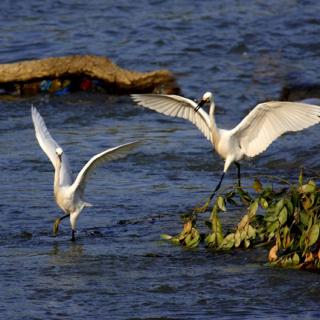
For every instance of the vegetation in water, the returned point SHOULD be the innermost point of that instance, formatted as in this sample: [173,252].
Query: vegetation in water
[286,219]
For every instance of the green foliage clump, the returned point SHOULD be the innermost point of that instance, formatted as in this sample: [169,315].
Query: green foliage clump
[285,220]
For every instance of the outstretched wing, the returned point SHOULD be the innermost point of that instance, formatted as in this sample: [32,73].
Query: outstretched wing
[49,145]
[269,120]
[107,155]
[176,106]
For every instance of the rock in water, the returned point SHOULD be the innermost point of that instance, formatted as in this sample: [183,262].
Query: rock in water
[62,75]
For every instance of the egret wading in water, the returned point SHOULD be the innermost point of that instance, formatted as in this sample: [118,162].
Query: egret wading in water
[264,124]
[68,193]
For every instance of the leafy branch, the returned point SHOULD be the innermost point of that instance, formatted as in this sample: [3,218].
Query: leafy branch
[287,220]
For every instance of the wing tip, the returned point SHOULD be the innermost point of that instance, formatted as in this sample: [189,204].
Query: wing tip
[34,112]
[33,108]
[134,143]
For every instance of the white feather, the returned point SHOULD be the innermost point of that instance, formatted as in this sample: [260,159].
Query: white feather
[68,195]
[49,146]
[264,124]
[269,120]
[176,106]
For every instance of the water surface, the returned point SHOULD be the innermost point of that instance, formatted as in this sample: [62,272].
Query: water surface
[118,268]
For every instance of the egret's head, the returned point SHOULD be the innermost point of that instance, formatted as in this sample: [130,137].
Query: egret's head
[206,98]
[59,152]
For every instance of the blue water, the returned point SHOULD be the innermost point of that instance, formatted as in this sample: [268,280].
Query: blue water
[118,268]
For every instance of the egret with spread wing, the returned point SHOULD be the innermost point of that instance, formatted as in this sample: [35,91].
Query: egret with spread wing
[264,124]
[68,193]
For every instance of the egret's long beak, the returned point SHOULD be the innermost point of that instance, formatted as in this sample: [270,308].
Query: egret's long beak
[200,104]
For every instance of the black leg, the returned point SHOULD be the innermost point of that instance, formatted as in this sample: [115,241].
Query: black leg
[206,205]
[217,187]
[65,216]
[239,175]
[73,238]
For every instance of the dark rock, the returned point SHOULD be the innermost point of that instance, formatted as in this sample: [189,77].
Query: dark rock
[300,92]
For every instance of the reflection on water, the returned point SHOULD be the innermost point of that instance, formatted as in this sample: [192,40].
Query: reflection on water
[60,256]
[118,268]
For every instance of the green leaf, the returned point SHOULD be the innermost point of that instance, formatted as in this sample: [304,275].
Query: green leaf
[285,232]
[289,206]
[237,239]
[304,218]
[273,226]
[176,241]
[270,217]
[253,209]
[228,242]
[257,186]
[243,222]
[219,238]
[313,234]
[243,234]
[309,187]
[166,236]
[246,243]
[193,238]
[210,240]
[286,262]
[221,203]
[283,215]
[270,235]
[214,239]
[215,223]
[264,203]
[301,177]
[279,206]
[251,232]
[302,240]
[308,201]
[295,197]
[295,259]
[310,222]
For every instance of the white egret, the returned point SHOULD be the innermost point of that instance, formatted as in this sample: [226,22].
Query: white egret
[68,193]
[264,124]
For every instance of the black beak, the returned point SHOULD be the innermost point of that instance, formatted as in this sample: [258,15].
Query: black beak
[200,104]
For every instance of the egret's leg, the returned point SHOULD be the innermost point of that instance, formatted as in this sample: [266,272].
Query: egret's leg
[57,222]
[217,187]
[73,238]
[239,175]
[206,205]
[65,216]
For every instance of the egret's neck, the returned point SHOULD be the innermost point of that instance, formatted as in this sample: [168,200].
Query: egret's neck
[214,128]
[57,176]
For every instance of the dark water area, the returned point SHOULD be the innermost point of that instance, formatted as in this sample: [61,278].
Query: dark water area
[119,268]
